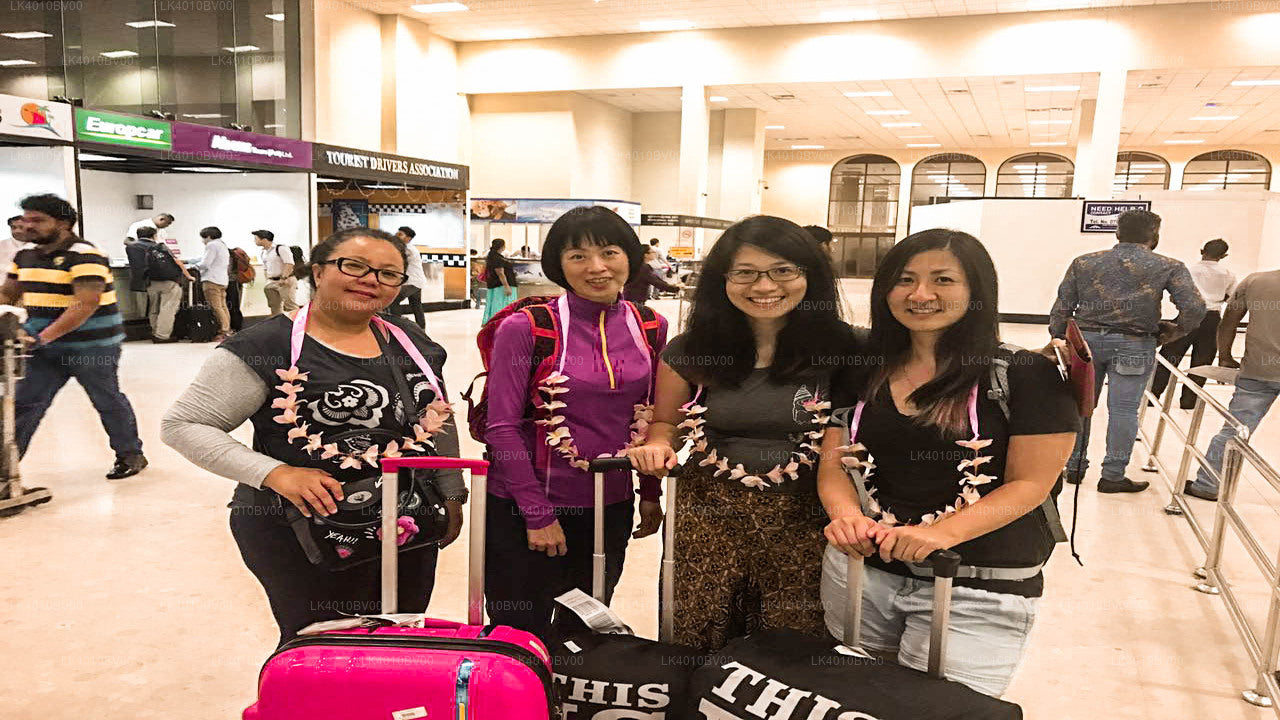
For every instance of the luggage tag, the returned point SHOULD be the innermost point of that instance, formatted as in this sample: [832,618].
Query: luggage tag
[595,614]
[853,652]
[351,623]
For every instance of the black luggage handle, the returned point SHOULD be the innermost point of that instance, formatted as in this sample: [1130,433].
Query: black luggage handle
[605,464]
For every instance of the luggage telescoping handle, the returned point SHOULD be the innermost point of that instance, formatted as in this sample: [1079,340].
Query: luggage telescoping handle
[945,565]
[666,620]
[479,470]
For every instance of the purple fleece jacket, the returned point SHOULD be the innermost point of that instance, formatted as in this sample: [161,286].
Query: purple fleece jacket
[599,406]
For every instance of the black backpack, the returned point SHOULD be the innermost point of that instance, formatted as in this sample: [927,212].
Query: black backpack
[300,269]
[161,265]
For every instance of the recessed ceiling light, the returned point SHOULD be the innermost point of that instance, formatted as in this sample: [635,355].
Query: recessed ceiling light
[113,54]
[923,145]
[241,48]
[1216,117]
[1048,122]
[278,17]
[888,112]
[869,93]
[718,98]
[15,63]
[140,24]
[273,126]
[901,124]
[808,147]
[26,35]
[663,25]
[1254,83]
[1052,88]
[202,116]
[212,170]
[835,16]
[775,127]
[439,7]
[1183,142]
[1047,144]
[914,137]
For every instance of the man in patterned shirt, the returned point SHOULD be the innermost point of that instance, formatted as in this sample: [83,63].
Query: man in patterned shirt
[74,326]
[1115,297]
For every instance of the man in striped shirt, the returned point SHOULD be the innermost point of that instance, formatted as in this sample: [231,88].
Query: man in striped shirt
[74,325]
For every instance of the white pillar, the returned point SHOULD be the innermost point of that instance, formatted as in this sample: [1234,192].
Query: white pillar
[741,164]
[1099,140]
[694,127]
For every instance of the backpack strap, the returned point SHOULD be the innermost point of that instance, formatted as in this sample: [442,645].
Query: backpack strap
[649,324]
[542,362]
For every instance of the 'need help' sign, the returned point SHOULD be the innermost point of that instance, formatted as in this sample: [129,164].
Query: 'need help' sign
[114,129]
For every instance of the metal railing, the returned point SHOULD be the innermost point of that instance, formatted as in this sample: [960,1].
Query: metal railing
[1263,651]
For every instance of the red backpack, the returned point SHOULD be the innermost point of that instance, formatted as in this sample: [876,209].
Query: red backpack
[544,324]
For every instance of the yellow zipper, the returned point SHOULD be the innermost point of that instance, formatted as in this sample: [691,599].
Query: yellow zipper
[604,352]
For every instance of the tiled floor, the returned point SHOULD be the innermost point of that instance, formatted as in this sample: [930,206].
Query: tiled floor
[127,600]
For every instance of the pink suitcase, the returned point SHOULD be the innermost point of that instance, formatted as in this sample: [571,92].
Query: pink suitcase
[443,670]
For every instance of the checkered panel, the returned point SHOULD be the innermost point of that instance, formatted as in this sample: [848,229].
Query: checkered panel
[447,259]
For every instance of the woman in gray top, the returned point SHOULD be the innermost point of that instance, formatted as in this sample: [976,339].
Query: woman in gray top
[748,381]
[330,390]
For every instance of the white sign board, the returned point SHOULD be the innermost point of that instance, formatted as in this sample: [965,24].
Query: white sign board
[41,119]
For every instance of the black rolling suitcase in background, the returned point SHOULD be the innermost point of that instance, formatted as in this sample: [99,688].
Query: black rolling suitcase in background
[602,671]
[195,320]
[793,676]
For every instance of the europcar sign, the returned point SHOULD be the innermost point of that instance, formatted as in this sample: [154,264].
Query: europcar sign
[114,129]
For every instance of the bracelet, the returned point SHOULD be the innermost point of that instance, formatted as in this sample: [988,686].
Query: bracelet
[461,498]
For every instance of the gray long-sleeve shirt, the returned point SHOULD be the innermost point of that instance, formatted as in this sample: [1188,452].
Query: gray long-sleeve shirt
[1121,290]
[199,425]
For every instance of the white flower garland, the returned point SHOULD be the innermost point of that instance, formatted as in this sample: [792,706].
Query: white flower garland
[806,454]
[558,435]
[969,483]
[431,422]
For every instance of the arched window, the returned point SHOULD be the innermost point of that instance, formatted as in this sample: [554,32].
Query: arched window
[1227,170]
[862,212]
[949,175]
[1141,171]
[1038,175]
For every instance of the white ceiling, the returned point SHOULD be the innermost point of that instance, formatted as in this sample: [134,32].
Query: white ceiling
[995,112]
[509,19]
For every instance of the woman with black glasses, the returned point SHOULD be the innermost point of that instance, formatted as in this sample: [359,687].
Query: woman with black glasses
[748,381]
[330,390]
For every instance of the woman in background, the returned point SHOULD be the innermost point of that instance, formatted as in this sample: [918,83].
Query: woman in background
[500,278]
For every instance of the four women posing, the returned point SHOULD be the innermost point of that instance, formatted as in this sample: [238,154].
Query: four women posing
[807,444]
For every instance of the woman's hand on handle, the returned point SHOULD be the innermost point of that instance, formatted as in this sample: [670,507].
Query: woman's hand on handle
[650,519]
[654,458]
[910,543]
[549,540]
[853,534]
[307,488]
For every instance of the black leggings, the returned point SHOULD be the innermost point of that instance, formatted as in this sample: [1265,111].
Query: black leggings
[301,593]
[521,585]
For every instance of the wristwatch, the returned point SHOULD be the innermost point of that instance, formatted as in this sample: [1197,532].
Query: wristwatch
[460,498]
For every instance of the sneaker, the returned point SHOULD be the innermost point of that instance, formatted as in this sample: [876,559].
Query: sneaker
[127,466]
[1193,491]
[162,341]
[1073,477]
[1122,485]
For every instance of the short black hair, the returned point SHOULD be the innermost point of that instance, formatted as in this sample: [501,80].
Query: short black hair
[581,226]
[653,242]
[211,232]
[326,247]
[264,234]
[14,219]
[146,232]
[1216,248]
[819,233]
[1137,226]
[408,231]
[51,205]
[166,216]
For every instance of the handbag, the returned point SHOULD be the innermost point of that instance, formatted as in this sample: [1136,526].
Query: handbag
[1077,362]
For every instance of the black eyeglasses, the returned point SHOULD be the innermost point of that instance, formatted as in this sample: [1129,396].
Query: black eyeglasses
[357,269]
[785,273]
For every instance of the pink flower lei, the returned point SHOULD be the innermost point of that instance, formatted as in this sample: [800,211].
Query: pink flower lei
[558,435]
[806,453]
[431,421]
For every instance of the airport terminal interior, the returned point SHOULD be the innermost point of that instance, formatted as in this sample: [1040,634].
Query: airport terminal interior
[1039,127]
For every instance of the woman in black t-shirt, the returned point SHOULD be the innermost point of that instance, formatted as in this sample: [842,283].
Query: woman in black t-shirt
[500,279]
[330,390]
[750,382]
[941,466]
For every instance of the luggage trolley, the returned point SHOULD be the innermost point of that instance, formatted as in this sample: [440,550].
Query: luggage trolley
[14,498]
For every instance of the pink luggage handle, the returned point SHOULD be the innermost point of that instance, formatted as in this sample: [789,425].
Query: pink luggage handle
[479,470]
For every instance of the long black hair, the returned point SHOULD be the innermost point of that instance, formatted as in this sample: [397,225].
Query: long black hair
[325,248]
[814,334]
[583,226]
[963,353]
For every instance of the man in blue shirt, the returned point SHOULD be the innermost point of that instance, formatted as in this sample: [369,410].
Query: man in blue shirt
[1115,297]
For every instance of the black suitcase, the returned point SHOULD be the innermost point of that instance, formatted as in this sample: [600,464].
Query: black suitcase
[818,678]
[195,320]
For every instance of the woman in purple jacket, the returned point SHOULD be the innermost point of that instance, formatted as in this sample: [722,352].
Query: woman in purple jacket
[591,397]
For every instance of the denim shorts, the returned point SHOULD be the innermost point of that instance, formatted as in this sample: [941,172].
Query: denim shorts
[988,630]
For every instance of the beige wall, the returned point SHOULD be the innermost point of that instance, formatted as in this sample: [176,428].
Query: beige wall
[427,105]
[603,137]
[655,160]
[348,46]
